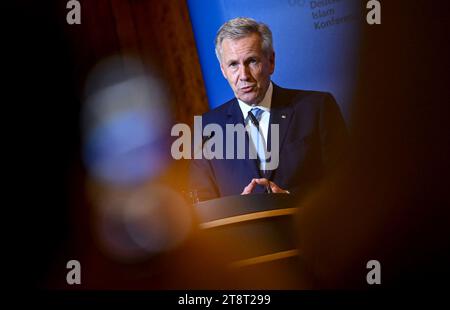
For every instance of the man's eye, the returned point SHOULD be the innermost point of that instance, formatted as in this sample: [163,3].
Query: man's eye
[253,61]
[233,64]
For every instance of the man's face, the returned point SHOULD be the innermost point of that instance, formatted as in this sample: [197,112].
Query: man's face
[247,68]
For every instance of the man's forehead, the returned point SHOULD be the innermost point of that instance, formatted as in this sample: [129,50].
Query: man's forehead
[251,42]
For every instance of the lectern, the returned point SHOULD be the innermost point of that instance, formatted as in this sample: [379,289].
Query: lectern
[256,236]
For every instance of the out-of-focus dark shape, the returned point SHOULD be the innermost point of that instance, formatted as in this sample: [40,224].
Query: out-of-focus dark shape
[391,201]
[125,126]
[118,153]
[125,123]
[134,224]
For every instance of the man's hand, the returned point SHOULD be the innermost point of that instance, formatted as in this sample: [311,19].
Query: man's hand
[264,182]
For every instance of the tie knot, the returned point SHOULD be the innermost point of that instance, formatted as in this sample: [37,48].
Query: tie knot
[257,112]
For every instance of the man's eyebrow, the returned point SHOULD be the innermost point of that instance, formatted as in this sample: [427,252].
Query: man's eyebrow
[245,60]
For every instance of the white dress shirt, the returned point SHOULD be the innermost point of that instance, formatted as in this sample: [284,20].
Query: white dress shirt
[263,105]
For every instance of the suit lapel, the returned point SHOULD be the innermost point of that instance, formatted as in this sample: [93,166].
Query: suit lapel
[281,113]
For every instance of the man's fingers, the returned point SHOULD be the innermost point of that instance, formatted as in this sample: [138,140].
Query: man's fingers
[264,182]
[249,188]
[276,189]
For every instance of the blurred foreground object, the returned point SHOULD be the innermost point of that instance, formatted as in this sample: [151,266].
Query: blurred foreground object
[125,120]
[125,123]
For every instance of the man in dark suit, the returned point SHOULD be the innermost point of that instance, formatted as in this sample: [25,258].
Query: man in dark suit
[311,135]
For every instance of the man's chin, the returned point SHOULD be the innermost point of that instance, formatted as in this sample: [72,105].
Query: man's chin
[248,99]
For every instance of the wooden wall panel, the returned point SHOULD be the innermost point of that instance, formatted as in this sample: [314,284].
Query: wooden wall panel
[159,32]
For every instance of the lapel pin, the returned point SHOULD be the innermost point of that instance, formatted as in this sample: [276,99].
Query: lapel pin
[283,116]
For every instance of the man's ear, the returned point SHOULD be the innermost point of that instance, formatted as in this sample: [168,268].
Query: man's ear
[272,62]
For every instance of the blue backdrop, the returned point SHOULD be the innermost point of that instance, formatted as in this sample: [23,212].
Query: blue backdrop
[316,43]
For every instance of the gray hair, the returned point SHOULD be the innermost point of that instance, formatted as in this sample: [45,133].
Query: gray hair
[242,27]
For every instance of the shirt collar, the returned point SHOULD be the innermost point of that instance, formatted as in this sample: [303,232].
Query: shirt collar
[263,105]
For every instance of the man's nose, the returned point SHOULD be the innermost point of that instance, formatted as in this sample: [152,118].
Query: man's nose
[244,73]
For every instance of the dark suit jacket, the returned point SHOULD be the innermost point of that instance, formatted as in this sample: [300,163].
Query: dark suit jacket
[312,136]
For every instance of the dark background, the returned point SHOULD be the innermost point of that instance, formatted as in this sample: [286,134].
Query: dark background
[399,165]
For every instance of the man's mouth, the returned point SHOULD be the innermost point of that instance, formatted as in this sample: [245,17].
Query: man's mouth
[247,89]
